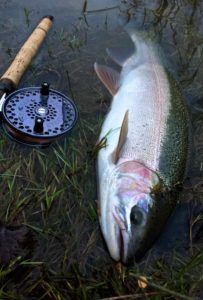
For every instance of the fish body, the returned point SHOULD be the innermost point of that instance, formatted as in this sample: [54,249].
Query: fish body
[144,159]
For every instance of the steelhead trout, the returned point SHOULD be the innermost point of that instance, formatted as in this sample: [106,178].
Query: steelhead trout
[145,155]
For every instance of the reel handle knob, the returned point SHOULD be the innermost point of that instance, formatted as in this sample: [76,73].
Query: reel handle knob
[44,91]
[38,127]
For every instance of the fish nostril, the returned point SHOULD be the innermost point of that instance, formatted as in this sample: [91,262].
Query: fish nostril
[136,215]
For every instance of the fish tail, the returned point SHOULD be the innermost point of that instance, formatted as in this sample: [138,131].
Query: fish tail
[144,44]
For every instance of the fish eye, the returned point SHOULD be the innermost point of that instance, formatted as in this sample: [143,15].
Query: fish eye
[136,215]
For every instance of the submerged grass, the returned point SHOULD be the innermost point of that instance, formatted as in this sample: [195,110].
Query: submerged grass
[27,16]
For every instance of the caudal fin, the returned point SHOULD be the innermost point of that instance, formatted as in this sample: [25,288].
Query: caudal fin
[144,44]
[120,55]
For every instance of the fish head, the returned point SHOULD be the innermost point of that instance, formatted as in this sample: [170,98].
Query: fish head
[128,212]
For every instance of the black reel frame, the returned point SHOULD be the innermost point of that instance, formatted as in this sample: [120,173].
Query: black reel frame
[38,116]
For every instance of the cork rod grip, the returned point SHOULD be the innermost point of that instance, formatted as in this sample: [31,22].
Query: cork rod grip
[27,52]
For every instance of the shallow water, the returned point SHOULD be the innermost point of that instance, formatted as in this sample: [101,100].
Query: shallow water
[81,32]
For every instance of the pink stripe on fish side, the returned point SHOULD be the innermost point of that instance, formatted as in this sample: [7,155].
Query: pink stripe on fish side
[160,123]
[144,144]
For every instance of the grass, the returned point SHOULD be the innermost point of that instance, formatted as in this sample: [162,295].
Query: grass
[9,52]
[27,16]
[52,193]
[75,42]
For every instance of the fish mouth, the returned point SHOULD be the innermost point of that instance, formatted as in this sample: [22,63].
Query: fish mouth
[128,249]
[122,238]
[120,245]
[130,233]
[123,246]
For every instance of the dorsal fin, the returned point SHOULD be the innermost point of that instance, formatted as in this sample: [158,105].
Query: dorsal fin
[120,55]
[109,77]
[122,138]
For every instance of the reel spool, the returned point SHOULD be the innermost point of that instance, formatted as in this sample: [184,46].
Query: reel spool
[38,116]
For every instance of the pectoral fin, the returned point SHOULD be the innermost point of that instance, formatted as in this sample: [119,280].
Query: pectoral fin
[122,138]
[109,77]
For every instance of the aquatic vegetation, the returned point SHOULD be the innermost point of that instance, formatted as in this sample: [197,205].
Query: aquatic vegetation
[62,35]
[75,42]
[27,16]
[9,52]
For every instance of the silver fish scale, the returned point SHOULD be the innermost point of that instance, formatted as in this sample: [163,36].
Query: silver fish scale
[175,147]
[148,113]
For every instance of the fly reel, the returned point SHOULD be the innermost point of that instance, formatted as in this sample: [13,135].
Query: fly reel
[38,116]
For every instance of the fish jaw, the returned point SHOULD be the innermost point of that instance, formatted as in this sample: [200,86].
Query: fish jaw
[110,229]
[126,206]
[123,217]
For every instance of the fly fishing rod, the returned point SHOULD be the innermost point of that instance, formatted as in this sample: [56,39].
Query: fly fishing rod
[34,115]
